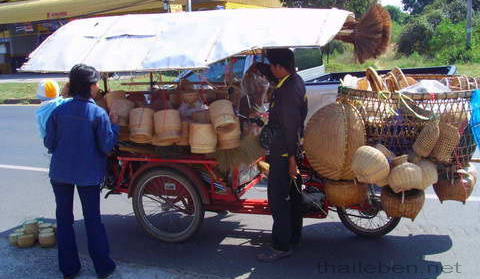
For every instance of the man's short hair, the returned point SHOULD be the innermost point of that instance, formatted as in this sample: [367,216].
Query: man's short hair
[283,57]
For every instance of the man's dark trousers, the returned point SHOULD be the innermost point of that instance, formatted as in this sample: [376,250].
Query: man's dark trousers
[285,204]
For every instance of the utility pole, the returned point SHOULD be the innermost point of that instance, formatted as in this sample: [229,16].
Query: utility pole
[189,5]
[469,24]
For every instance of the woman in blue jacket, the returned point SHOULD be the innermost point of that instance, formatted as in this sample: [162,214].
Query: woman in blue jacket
[79,135]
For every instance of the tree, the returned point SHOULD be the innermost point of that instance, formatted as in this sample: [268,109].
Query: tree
[415,6]
[356,6]
[396,14]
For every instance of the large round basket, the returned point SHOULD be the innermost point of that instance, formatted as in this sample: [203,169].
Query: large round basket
[222,116]
[427,138]
[122,108]
[332,135]
[229,139]
[141,125]
[457,189]
[201,116]
[405,177]
[370,165]
[202,138]
[406,204]
[183,141]
[345,193]
[110,96]
[190,97]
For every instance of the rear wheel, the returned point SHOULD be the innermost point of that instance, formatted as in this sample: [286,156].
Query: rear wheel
[370,221]
[167,205]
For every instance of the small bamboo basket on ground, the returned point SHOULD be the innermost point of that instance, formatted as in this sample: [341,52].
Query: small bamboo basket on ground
[406,204]
[141,125]
[346,193]
[202,138]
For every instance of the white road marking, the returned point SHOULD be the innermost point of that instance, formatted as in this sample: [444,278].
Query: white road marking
[12,167]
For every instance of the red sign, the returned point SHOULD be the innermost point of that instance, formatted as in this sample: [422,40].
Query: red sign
[56,14]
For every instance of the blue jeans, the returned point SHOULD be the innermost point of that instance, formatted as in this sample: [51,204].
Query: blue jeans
[68,259]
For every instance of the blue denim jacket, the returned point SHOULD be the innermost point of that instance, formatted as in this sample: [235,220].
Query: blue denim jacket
[79,137]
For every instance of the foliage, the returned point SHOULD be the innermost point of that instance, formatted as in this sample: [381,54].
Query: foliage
[356,6]
[415,6]
[415,37]
[308,58]
[396,14]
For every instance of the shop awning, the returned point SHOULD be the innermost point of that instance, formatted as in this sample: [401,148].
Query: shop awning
[38,10]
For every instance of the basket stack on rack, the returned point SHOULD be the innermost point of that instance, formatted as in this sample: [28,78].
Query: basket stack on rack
[415,138]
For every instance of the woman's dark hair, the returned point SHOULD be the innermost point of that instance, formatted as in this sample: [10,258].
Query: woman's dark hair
[283,57]
[81,78]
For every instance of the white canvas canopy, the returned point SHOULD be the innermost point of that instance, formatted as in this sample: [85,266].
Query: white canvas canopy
[160,42]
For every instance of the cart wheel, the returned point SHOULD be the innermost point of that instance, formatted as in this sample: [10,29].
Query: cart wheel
[370,222]
[167,205]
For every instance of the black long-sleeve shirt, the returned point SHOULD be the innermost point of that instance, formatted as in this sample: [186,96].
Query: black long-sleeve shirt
[288,110]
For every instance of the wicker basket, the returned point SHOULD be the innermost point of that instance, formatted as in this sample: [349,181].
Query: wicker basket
[168,125]
[404,177]
[202,138]
[388,154]
[183,141]
[414,157]
[363,84]
[110,96]
[46,239]
[370,165]
[427,138]
[406,204]
[26,240]
[141,125]
[399,160]
[429,174]
[375,81]
[122,108]
[222,116]
[345,193]
[400,78]
[332,135]
[456,189]
[447,142]
[229,139]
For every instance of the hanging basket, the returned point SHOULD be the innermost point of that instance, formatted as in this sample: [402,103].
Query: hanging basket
[122,108]
[447,142]
[202,138]
[332,135]
[429,174]
[183,141]
[405,177]
[455,189]
[113,95]
[141,125]
[406,204]
[229,139]
[222,116]
[370,165]
[427,138]
[346,193]
[399,160]
[388,154]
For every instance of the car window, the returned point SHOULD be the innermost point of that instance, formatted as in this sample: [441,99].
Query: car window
[216,71]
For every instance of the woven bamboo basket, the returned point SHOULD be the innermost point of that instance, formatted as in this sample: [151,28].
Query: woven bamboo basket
[141,125]
[183,141]
[222,116]
[332,135]
[427,138]
[13,238]
[345,193]
[388,154]
[124,134]
[429,174]
[110,96]
[447,142]
[31,226]
[400,78]
[405,177]
[374,79]
[414,157]
[122,108]
[472,170]
[202,138]
[370,165]
[399,160]
[229,139]
[202,116]
[388,121]
[455,189]
[168,125]
[363,84]
[26,240]
[46,239]
[406,204]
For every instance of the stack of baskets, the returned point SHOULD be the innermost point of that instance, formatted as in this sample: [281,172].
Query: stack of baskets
[33,231]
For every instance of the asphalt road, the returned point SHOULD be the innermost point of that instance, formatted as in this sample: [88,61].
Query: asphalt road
[443,235]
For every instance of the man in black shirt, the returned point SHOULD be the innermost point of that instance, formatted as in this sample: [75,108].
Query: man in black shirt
[288,109]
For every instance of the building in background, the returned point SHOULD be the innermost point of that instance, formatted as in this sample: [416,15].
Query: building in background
[24,24]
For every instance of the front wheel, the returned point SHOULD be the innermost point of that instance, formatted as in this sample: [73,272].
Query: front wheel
[370,221]
[167,205]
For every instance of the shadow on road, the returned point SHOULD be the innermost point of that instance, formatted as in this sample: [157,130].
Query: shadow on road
[225,249]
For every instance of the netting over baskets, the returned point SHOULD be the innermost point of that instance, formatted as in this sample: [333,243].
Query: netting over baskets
[395,120]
